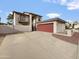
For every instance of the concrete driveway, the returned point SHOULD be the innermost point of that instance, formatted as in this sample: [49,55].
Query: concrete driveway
[36,45]
[2,36]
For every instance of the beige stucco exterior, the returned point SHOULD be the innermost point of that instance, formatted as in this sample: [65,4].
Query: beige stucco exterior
[28,17]
[16,18]
[76,26]
[59,27]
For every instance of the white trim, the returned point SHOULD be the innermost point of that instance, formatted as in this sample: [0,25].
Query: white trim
[55,27]
[45,23]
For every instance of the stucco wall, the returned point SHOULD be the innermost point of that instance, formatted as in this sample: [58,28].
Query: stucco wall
[76,26]
[55,27]
[12,29]
[19,26]
[16,19]
[22,28]
[6,29]
[58,27]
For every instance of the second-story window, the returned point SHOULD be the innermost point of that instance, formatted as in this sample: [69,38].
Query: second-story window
[24,20]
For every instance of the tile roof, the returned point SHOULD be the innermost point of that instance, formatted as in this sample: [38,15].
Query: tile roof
[18,13]
[53,19]
[32,13]
[26,14]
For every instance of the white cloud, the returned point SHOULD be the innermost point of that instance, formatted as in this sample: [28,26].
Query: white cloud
[73,5]
[53,15]
[69,4]
[62,2]
[56,1]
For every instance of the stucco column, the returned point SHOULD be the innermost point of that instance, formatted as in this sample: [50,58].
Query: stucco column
[14,22]
[30,25]
[55,27]
[37,19]
[14,19]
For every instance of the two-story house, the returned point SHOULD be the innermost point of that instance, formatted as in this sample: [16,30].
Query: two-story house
[25,21]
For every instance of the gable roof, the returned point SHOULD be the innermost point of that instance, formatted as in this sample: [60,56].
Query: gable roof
[54,19]
[57,19]
[18,13]
[24,13]
[33,14]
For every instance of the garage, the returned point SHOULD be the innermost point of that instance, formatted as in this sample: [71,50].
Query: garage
[48,27]
[54,25]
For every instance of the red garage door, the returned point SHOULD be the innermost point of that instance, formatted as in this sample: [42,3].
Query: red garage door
[45,27]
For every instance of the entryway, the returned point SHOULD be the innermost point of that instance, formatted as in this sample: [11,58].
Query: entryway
[33,24]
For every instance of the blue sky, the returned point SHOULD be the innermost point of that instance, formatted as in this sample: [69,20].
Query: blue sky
[65,9]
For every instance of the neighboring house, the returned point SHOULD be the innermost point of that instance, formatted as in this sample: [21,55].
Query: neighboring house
[25,21]
[54,25]
[76,26]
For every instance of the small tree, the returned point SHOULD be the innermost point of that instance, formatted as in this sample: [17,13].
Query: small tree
[76,22]
[67,26]
[71,25]
[10,19]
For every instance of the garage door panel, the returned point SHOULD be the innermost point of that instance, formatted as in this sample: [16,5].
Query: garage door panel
[45,27]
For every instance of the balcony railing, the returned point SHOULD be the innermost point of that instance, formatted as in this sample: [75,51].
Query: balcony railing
[24,20]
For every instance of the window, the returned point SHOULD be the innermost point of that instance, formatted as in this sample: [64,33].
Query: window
[24,20]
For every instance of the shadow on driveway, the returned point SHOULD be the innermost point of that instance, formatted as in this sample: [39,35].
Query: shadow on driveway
[3,35]
[4,32]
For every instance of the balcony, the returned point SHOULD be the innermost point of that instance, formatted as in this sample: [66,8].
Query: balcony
[23,20]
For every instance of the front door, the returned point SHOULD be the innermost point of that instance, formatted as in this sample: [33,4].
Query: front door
[33,25]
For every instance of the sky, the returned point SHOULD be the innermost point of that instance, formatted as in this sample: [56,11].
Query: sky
[65,9]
